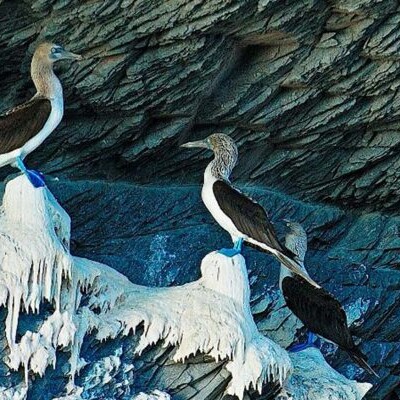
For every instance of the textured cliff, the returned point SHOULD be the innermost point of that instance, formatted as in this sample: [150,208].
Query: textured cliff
[309,89]
[80,302]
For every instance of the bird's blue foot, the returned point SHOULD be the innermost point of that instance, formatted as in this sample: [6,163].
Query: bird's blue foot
[35,177]
[234,251]
[312,341]
[229,252]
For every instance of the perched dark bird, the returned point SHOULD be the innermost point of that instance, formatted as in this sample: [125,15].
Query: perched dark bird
[317,309]
[26,126]
[238,214]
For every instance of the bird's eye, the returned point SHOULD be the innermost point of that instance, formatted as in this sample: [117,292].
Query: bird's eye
[54,50]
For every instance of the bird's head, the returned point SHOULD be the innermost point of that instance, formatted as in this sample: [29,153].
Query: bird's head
[225,150]
[296,239]
[217,142]
[49,53]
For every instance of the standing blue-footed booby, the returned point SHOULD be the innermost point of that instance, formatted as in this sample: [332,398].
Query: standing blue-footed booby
[316,308]
[243,218]
[26,126]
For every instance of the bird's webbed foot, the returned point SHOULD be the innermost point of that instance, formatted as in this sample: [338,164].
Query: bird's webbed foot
[234,251]
[35,177]
[229,252]
[312,341]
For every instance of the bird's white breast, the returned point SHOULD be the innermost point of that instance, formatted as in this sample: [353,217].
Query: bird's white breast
[56,114]
[207,194]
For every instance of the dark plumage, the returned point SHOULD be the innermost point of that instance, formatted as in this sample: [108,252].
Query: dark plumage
[248,216]
[319,311]
[22,123]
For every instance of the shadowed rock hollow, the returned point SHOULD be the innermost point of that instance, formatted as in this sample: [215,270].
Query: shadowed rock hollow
[308,89]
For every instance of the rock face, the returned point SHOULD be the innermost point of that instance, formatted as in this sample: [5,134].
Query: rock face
[309,89]
[90,302]
[355,257]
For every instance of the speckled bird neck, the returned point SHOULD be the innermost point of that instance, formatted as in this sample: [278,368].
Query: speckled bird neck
[46,82]
[226,156]
[296,241]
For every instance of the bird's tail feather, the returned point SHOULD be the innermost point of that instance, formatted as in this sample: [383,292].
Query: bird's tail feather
[295,267]
[359,358]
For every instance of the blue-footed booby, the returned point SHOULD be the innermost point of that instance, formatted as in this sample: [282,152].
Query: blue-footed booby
[25,127]
[317,309]
[243,218]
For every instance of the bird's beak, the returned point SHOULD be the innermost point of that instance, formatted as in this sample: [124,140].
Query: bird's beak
[68,55]
[199,143]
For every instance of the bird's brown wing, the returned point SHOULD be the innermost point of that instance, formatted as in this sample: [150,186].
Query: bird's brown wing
[248,216]
[22,123]
[319,311]
[323,315]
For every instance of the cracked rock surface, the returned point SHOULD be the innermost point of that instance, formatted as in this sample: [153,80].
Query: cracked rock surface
[308,89]
[355,257]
